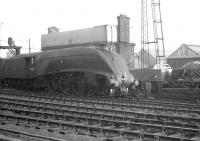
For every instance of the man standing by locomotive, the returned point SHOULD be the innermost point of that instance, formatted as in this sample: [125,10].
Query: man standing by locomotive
[148,89]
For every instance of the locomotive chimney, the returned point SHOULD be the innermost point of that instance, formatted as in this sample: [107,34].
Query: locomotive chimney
[123,37]
[53,29]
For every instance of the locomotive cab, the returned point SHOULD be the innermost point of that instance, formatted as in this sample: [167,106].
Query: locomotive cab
[30,66]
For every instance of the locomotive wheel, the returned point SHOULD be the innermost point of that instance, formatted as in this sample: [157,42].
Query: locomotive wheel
[64,86]
[52,85]
[79,87]
[92,90]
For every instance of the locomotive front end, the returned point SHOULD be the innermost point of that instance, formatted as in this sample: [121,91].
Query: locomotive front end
[122,78]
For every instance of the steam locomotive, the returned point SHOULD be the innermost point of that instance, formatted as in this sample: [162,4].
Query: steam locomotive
[83,70]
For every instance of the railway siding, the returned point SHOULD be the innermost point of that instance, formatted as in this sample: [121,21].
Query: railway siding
[102,118]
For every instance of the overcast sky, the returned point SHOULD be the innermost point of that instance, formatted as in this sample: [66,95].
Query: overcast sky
[23,19]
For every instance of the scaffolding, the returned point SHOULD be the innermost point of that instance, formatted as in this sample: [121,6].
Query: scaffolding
[157,31]
[144,32]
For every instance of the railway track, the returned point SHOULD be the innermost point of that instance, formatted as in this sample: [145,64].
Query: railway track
[180,93]
[24,136]
[110,109]
[104,118]
[186,110]
[141,103]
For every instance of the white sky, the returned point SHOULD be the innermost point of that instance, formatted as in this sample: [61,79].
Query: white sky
[23,19]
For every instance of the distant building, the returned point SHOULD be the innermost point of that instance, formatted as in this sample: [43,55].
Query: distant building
[185,53]
[148,61]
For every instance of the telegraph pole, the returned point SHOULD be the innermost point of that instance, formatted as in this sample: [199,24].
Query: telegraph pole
[29,45]
[0,32]
[0,36]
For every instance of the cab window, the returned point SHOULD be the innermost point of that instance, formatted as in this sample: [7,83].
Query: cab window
[30,60]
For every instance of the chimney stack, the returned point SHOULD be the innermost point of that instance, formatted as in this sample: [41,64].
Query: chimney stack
[123,38]
[53,29]
[123,33]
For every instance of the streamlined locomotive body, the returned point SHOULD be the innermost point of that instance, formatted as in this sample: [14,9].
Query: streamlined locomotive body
[78,70]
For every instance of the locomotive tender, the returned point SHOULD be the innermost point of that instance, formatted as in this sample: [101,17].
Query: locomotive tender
[79,70]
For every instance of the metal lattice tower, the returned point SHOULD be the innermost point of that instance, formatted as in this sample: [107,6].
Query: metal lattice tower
[158,30]
[144,32]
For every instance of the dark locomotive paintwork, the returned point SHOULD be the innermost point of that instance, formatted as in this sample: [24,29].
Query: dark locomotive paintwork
[19,67]
[77,69]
